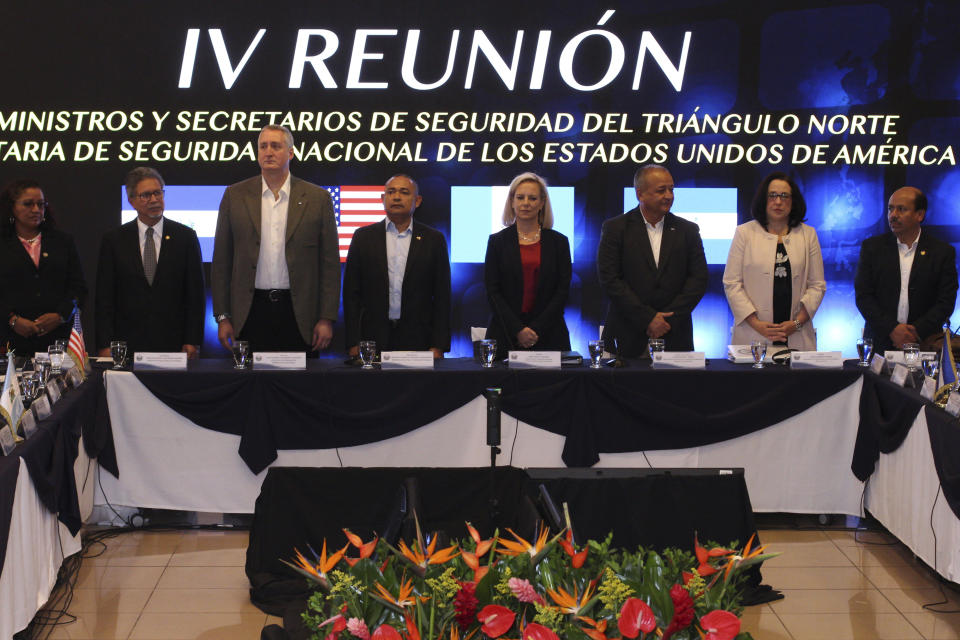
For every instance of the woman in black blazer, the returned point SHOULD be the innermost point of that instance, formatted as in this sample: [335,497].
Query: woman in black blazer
[41,281]
[527,273]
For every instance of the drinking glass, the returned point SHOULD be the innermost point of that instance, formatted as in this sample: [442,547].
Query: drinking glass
[55,351]
[118,351]
[241,353]
[596,352]
[41,367]
[911,355]
[368,350]
[655,345]
[865,351]
[488,352]
[30,386]
[931,368]
[759,350]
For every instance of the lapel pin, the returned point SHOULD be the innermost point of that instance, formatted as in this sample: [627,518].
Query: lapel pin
[46,255]
[923,253]
[166,237]
[299,203]
[418,237]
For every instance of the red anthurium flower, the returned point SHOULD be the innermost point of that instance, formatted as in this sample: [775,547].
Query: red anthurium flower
[534,631]
[636,616]
[496,620]
[338,621]
[720,625]
[386,632]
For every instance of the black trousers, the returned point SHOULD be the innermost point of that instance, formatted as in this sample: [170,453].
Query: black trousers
[271,325]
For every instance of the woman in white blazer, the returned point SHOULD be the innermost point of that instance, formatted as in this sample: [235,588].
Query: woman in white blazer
[773,293]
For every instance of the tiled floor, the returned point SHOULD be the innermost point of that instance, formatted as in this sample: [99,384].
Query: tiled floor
[171,585]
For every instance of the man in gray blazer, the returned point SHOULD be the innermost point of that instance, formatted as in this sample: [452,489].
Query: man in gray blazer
[276,262]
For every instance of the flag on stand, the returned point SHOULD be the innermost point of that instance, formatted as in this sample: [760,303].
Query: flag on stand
[11,403]
[948,368]
[355,207]
[75,346]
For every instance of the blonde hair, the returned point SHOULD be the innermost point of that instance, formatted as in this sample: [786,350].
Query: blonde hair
[546,212]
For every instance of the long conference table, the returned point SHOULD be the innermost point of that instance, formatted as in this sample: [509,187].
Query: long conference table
[822,441]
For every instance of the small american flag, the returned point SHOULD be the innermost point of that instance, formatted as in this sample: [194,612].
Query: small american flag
[354,207]
[75,346]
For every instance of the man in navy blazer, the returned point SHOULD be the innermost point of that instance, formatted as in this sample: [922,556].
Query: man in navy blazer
[652,267]
[396,283]
[906,282]
[154,304]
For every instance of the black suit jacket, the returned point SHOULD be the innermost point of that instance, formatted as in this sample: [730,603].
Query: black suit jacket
[425,298]
[503,276]
[161,317]
[931,290]
[29,291]
[638,288]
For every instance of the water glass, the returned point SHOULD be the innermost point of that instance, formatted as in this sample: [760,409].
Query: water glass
[864,351]
[488,352]
[911,355]
[241,353]
[655,345]
[118,351]
[41,366]
[758,348]
[30,385]
[596,352]
[55,351]
[368,350]
[931,367]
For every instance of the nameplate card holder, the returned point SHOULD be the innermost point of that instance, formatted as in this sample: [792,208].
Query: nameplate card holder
[534,359]
[816,360]
[28,423]
[877,364]
[894,357]
[74,377]
[406,359]
[899,375]
[53,392]
[42,407]
[953,404]
[739,354]
[679,360]
[929,389]
[277,360]
[41,355]
[160,361]
[7,441]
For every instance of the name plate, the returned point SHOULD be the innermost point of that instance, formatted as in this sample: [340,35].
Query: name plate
[406,360]
[680,360]
[41,355]
[271,360]
[899,375]
[816,360]
[42,407]
[53,391]
[7,442]
[534,359]
[929,389]
[895,357]
[953,404]
[28,423]
[74,377]
[160,360]
[877,364]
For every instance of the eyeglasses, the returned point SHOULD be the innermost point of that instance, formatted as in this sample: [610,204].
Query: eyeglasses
[773,195]
[30,204]
[149,195]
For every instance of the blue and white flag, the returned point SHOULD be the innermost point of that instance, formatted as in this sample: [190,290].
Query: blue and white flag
[948,368]
[11,404]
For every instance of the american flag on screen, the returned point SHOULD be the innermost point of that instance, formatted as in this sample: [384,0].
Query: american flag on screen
[355,206]
[75,347]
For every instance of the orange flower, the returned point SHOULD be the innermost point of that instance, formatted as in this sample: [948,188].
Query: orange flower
[482,545]
[316,572]
[571,603]
[511,548]
[366,549]
[403,598]
[598,632]
[576,558]
[746,556]
[420,559]
[704,556]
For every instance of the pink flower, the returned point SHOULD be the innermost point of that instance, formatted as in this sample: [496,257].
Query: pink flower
[358,628]
[524,590]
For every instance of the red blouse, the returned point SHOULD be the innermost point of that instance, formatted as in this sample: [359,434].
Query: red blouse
[530,261]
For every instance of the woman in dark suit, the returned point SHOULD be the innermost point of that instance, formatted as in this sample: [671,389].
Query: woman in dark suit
[41,281]
[527,273]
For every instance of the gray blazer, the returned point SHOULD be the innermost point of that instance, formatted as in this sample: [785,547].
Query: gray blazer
[312,252]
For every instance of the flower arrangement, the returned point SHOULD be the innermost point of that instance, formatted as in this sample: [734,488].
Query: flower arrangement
[508,588]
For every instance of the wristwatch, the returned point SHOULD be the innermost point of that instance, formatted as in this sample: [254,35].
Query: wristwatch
[13,321]
[220,318]
[798,324]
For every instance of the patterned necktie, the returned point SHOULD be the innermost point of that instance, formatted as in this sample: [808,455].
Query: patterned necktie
[149,257]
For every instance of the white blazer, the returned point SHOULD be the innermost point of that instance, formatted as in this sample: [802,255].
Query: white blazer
[748,280]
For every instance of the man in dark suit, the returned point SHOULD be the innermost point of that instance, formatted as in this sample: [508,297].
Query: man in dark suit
[276,260]
[150,277]
[396,284]
[906,282]
[652,267]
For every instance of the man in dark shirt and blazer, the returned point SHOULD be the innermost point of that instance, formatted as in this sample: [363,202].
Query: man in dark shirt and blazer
[652,267]
[154,304]
[906,282]
[396,283]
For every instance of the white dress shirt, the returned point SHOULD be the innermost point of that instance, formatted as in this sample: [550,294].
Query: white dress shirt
[655,233]
[398,248]
[906,264]
[272,270]
[157,236]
